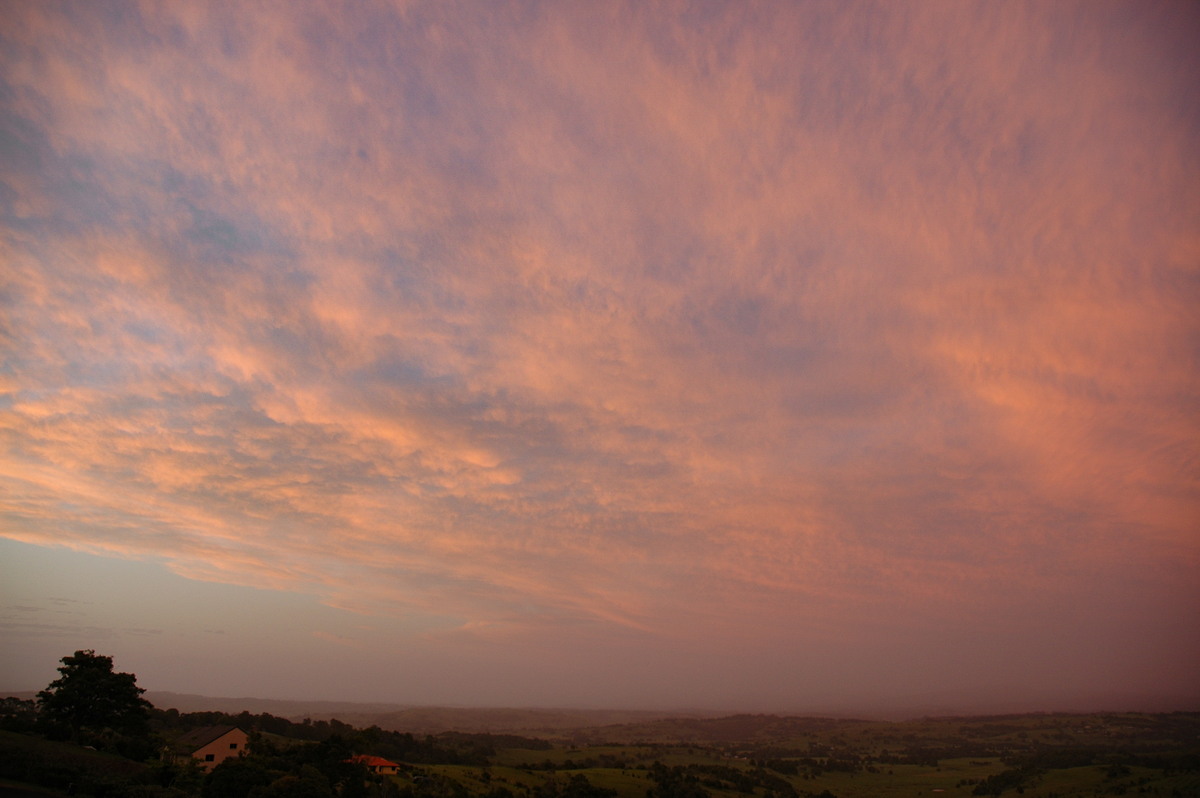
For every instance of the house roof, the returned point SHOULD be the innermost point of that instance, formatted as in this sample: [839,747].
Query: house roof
[373,761]
[198,738]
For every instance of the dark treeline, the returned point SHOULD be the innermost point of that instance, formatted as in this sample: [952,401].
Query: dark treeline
[286,759]
[447,748]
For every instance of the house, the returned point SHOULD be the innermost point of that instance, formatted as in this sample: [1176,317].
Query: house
[211,745]
[376,764]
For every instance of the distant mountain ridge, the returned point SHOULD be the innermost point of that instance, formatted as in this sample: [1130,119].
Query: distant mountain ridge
[419,719]
[284,708]
[627,724]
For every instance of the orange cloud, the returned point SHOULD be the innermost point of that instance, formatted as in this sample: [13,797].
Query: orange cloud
[787,317]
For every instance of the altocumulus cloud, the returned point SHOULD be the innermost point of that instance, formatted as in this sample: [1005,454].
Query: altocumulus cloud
[792,324]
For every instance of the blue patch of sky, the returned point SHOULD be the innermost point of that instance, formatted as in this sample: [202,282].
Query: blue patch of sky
[117,588]
[400,372]
[149,333]
[217,241]
[110,604]
[23,146]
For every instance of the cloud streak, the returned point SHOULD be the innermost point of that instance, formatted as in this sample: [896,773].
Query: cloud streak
[624,321]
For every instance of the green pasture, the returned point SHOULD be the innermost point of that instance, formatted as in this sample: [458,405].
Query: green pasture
[625,768]
[901,780]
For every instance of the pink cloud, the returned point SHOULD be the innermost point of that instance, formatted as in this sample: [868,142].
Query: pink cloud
[794,319]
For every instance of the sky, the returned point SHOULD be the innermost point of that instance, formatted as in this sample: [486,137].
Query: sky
[740,356]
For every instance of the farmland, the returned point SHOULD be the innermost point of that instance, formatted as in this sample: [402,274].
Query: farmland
[772,757]
[739,756]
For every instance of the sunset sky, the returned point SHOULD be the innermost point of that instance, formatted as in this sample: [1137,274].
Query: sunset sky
[785,356]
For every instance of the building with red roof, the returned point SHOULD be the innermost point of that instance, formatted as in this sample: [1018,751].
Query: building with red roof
[376,764]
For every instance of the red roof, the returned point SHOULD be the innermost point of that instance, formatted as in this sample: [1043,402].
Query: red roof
[373,761]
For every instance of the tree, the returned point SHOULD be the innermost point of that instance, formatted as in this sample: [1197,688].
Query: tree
[18,715]
[237,777]
[308,783]
[89,696]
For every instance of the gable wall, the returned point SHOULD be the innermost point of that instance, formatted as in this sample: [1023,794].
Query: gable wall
[220,748]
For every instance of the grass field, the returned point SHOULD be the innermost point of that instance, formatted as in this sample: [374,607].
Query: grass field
[952,777]
[1046,756]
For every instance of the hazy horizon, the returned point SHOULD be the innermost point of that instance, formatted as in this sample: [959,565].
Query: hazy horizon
[745,355]
[896,708]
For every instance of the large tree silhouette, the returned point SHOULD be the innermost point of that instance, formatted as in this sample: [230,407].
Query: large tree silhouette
[89,696]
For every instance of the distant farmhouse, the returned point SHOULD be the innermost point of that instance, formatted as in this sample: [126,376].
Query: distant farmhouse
[212,745]
[376,764]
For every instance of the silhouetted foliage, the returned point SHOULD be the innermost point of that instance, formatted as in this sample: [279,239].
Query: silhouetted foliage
[449,748]
[674,782]
[18,715]
[237,777]
[308,783]
[1012,779]
[90,697]
[577,786]
[437,786]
